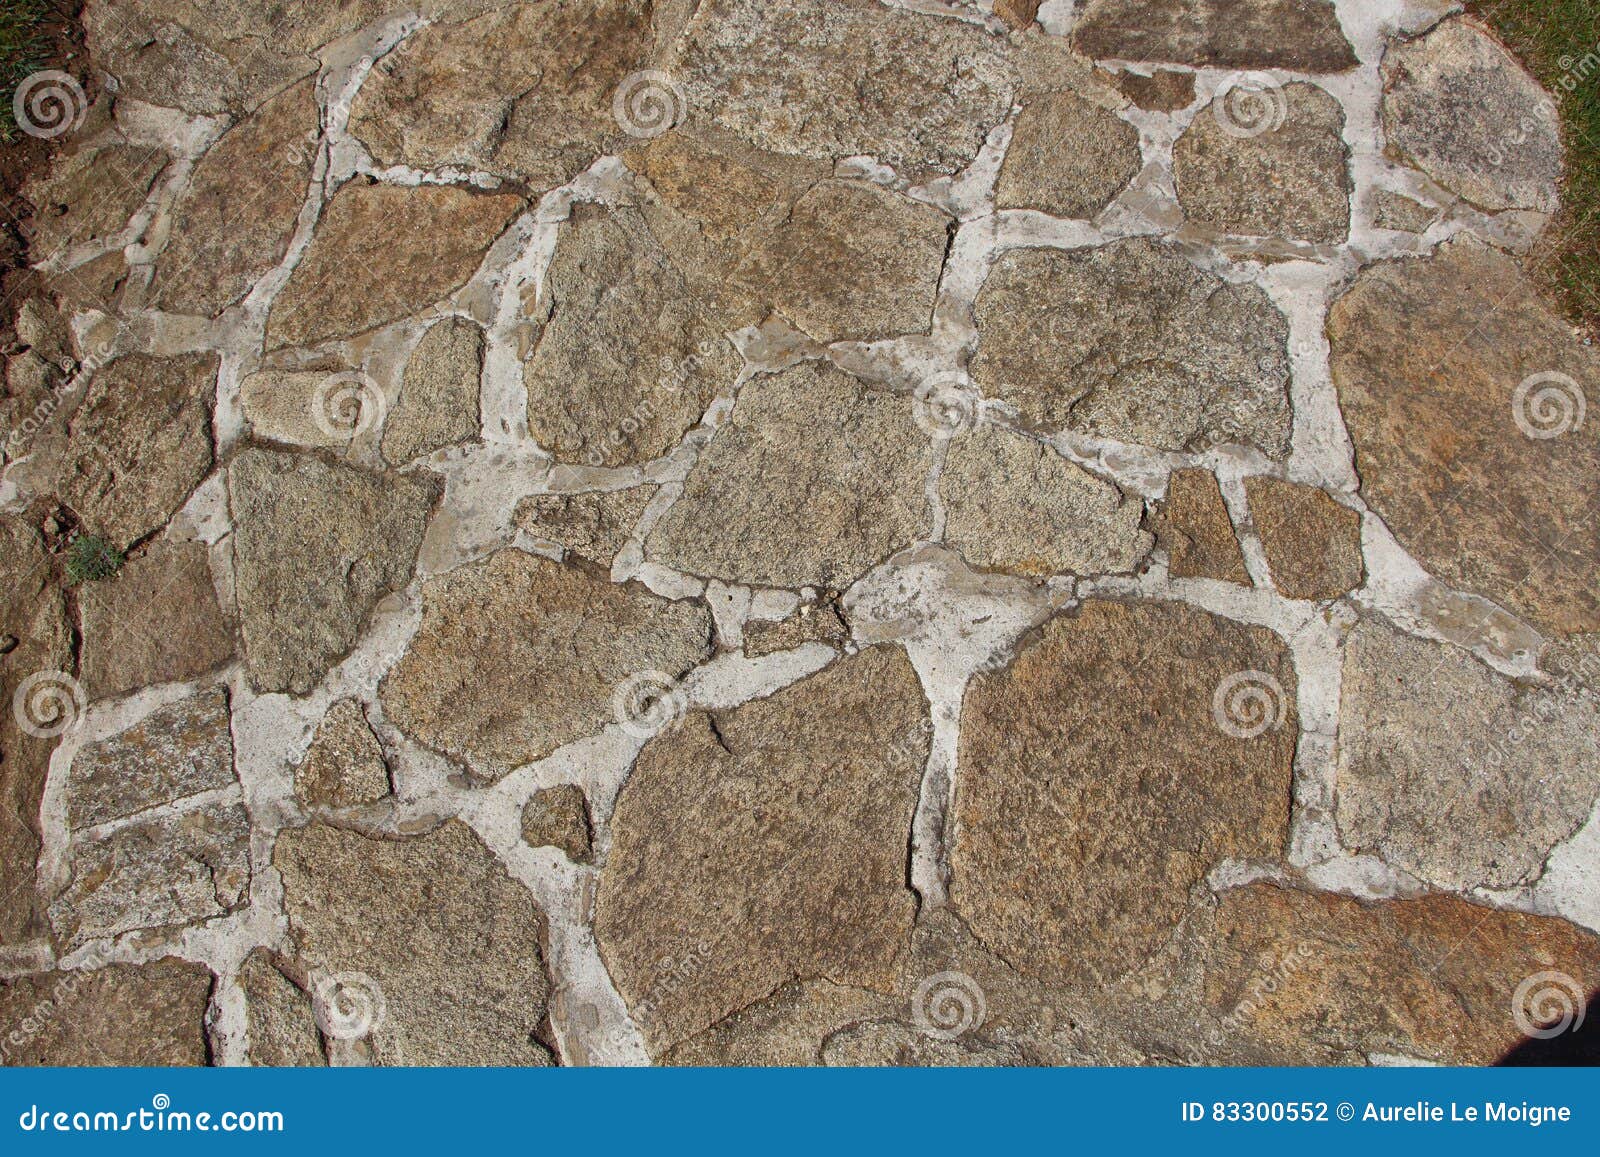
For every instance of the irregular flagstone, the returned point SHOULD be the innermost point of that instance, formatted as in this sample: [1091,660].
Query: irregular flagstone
[591,526]
[1193,526]
[821,623]
[1267,163]
[1068,157]
[558,817]
[1106,772]
[353,277]
[139,444]
[1464,392]
[1461,108]
[815,478]
[438,403]
[89,196]
[1164,90]
[305,407]
[1323,978]
[344,765]
[1015,504]
[155,621]
[517,656]
[1312,543]
[280,1020]
[316,546]
[1393,211]
[36,652]
[769,842]
[1300,35]
[838,78]
[1130,341]
[123,1014]
[1453,773]
[423,950]
[234,222]
[525,91]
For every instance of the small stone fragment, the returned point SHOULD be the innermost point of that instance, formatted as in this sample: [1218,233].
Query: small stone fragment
[1267,163]
[822,623]
[1014,504]
[123,1014]
[518,655]
[344,766]
[1068,157]
[1194,528]
[1313,544]
[1393,211]
[438,404]
[282,1026]
[316,546]
[558,817]
[591,526]
[814,479]
[1298,35]
[1017,13]
[1164,90]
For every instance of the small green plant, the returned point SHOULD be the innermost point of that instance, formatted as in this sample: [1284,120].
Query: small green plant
[22,50]
[91,558]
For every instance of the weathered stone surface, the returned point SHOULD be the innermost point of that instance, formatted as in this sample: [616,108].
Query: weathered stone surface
[280,1020]
[1267,163]
[438,403]
[1313,544]
[839,78]
[1017,13]
[591,526]
[344,765]
[1015,504]
[879,1043]
[1301,35]
[1193,526]
[176,751]
[518,655]
[234,222]
[302,407]
[354,277]
[1461,108]
[1454,773]
[770,842]
[1097,783]
[1392,211]
[123,1014]
[815,478]
[140,443]
[33,621]
[788,1028]
[1132,342]
[819,623]
[1441,365]
[1433,978]
[725,190]
[524,91]
[155,621]
[612,290]
[1067,157]
[432,931]
[89,196]
[558,817]
[1164,90]
[316,546]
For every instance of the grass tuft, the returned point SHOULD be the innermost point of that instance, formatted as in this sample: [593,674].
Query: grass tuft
[23,48]
[91,558]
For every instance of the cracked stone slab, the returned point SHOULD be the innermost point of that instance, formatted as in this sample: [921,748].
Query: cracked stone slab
[344,766]
[1464,394]
[1460,107]
[124,1014]
[1452,772]
[1080,824]
[1313,544]
[89,195]
[432,948]
[316,546]
[517,656]
[279,1017]
[591,526]
[438,404]
[1067,157]
[1014,504]
[814,479]
[1130,341]
[767,843]
[1192,525]
[1299,35]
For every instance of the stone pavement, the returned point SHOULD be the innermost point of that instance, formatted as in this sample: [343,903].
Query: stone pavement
[843,531]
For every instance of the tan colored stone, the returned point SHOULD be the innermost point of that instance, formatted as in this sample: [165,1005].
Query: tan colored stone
[787,1029]
[1097,785]
[558,817]
[1193,526]
[438,404]
[1300,35]
[518,655]
[354,277]
[1313,544]
[302,407]
[821,623]
[430,930]
[344,765]
[123,1014]
[89,196]
[1164,90]
[814,479]
[1067,157]
[1017,13]
[768,844]
[1393,211]
[591,526]
[280,1021]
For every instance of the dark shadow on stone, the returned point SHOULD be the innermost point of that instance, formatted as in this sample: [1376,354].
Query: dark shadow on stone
[1577,1047]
